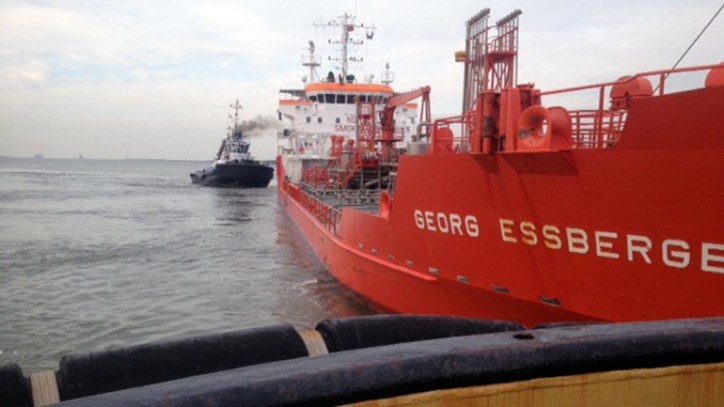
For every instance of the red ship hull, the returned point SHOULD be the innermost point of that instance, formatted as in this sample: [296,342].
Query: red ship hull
[634,232]
[515,209]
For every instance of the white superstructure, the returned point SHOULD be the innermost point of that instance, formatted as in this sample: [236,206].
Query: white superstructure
[327,106]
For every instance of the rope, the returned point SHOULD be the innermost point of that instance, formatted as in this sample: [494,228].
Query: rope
[692,43]
[698,36]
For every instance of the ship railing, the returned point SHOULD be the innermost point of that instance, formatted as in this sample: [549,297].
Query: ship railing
[398,135]
[602,126]
[316,177]
[453,134]
[599,127]
[323,212]
[585,125]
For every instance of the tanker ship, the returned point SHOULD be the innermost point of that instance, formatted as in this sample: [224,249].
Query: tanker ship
[515,209]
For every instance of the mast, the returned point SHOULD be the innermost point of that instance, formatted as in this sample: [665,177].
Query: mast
[349,38]
[235,128]
[312,62]
[387,76]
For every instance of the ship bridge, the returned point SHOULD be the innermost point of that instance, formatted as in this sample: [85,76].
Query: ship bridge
[347,93]
[326,108]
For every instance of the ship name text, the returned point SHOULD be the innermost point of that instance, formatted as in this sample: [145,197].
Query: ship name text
[345,127]
[675,253]
[350,126]
[451,223]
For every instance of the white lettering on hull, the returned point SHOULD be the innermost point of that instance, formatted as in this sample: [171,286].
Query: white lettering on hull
[675,253]
[447,223]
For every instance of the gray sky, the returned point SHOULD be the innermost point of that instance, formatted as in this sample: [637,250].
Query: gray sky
[154,79]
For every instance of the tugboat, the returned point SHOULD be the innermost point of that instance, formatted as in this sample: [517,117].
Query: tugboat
[233,165]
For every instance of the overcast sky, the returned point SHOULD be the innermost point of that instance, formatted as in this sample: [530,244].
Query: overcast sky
[154,79]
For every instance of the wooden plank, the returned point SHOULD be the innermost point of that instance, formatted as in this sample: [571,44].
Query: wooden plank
[45,388]
[314,343]
[674,386]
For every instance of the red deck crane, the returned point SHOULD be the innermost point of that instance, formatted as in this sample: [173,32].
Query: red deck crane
[387,116]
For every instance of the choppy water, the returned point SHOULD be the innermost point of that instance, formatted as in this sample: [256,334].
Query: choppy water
[98,254]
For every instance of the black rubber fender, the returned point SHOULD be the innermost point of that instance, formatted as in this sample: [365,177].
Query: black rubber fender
[14,387]
[378,330]
[564,324]
[139,365]
[387,371]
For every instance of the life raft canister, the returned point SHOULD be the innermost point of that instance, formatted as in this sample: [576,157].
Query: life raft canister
[627,89]
[715,76]
[442,140]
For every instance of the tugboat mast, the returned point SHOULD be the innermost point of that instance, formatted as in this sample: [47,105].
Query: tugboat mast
[236,106]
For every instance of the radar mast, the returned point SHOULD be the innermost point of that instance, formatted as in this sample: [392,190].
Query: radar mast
[350,37]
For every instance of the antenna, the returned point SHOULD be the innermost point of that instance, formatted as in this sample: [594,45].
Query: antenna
[236,106]
[387,76]
[349,30]
[312,61]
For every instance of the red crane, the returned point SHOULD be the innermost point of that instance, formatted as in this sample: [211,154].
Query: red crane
[387,116]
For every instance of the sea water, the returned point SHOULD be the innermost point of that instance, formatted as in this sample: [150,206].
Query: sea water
[99,254]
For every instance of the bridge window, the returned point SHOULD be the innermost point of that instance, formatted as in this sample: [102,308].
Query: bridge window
[319,119]
[340,98]
[309,119]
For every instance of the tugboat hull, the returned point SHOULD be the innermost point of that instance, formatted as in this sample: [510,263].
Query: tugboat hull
[233,165]
[247,175]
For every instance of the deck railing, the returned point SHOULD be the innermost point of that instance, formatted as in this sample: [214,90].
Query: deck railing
[602,126]
[326,214]
[597,127]
[316,177]
[458,140]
